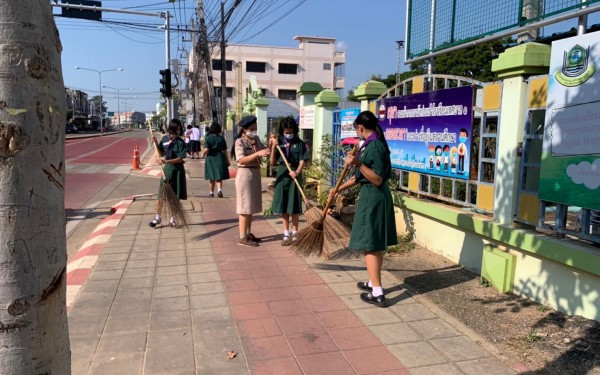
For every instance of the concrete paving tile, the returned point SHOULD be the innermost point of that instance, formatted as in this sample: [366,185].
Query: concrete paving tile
[126,323]
[202,288]
[284,262]
[337,277]
[443,369]
[143,249]
[204,277]
[163,254]
[313,291]
[344,288]
[460,348]
[169,280]
[169,351]
[173,261]
[305,279]
[208,301]
[280,294]
[130,308]
[487,366]
[245,297]
[106,275]
[289,307]
[87,297]
[105,265]
[417,354]
[240,285]
[277,366]
[263,348]
[412,312]
[202,268]
[273,282]
[298,323]
[170,320]
[143,256]
[311,342]
[302,269]
[138,282]
[251,311]
[322,304]
[116,250]
[122,363]
[354,302]
[211,315]
[233,264]
[200,259]
[113,257]
[178,290]
[171,270]
[138,272]
[377,316]
[236,275]
[141,263]
[219,335]
[353,338]
[86,325]
[171,304]
[433,329]
[267,272]
[101,286]
[372,360]
[212,359]
[138,294]
[339,319]
[122,342]
[394,333]
[254,328]
[325,363]
[97,308]
[237,367]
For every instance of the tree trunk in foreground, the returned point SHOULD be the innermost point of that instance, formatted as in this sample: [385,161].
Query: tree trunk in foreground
[34,338]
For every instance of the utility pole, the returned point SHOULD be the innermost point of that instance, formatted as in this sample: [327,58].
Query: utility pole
[223,71]
[168,100]
[205,54]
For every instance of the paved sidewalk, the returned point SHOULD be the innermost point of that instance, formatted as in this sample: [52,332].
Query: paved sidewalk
[169,301]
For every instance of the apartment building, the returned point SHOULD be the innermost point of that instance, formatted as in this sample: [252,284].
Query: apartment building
[77,107]
[279,71]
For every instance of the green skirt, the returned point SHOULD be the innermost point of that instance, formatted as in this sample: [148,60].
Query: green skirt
[374,225]
[286,198]
[215,167]
[175,174]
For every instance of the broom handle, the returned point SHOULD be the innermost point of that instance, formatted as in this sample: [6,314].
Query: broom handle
[338,184]
[290,170]
[157,153]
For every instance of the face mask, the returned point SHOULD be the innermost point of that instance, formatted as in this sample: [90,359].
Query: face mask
[288,136]
[462,139]
[252,134]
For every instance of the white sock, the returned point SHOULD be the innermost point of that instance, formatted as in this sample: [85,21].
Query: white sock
[211,192]
[220,191]
[157,218]
[242,236]
[377,291]
[286,233]
[369,284]
[294,233]
[171,220]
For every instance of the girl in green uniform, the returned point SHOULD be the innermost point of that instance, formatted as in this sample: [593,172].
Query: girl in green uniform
[217,161]
[173,149]
[374,226]
[287,199]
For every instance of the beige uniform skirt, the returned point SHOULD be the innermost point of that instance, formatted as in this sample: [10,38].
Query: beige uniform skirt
[248,191]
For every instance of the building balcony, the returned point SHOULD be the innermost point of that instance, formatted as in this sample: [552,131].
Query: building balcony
[339,57]
[339,82]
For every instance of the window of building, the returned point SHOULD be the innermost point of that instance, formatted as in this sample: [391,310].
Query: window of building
[287,94]
[229,92]
[216,65]
[339,70]
[326,66]
[256,67]
[288,68]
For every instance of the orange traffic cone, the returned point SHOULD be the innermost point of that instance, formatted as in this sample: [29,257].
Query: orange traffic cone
[135,163]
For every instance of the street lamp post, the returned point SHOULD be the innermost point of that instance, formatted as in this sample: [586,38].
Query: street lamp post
[100,76]
[118,99]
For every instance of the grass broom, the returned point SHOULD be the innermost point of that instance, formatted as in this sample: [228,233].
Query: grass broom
[310,214]
[169,204]
[326,235]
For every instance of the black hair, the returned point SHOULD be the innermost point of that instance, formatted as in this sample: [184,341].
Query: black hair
[239,135]
[438,147]
[214,128]
[288,123]
[174,126]
[369,121]
[189,127]
[463,130]
[446,148]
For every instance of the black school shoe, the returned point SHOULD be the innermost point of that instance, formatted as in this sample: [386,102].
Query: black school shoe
[378,301]
[364,286]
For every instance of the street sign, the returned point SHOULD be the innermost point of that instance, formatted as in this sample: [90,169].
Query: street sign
[111,114]
[82,13]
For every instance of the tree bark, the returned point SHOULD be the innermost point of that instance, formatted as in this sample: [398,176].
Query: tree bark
[34,336]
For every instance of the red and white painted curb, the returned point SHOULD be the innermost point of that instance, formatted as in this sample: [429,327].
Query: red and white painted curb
[81,264]
[150,169]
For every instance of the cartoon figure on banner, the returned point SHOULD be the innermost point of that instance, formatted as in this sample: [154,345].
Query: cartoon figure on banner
[438,158]
[463,136]
[453,152]
[446,156]
[431,156]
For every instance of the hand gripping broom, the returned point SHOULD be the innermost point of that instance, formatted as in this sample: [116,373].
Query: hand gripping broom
[169,205]
[326,235]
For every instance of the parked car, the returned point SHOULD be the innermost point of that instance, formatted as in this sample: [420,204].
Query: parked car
[71,128]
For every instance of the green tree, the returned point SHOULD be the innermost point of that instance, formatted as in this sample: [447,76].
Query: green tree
[96,101]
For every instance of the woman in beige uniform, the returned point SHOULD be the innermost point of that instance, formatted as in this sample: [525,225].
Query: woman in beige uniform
[248,151]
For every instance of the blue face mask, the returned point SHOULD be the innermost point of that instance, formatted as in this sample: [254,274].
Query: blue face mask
[462,139]
[288,136]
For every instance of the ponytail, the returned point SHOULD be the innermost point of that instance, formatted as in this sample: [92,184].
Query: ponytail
[369,121]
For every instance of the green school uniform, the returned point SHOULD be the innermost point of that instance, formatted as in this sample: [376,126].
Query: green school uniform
[374,226]
[287,197]
[216,162]
[174,173]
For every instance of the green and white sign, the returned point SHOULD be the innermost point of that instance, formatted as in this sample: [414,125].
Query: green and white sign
[570,172]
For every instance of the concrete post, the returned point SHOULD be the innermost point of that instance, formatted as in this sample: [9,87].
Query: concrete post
[367,92]
[326,102]
[513,66]
[308,92]
[260,105]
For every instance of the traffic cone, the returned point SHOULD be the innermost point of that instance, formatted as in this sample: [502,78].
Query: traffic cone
[135,163]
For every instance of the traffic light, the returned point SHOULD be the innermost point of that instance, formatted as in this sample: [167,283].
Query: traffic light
[165,81]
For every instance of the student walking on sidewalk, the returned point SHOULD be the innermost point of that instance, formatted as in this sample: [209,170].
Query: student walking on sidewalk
[217,162]
[374,226]
[172,147]
[248,151]
[287,199]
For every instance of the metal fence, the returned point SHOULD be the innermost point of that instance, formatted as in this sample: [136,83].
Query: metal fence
[434,25]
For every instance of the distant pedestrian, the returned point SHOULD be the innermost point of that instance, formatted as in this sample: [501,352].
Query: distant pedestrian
[195,142]
[248,151]
[172,148]
[187,136]
[374,226]
[287,199]
[217,161]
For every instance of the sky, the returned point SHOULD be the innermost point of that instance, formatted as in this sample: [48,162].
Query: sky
[366,29]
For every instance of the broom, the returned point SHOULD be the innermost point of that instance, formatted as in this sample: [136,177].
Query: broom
[310,214]
[326,235]
[171,206]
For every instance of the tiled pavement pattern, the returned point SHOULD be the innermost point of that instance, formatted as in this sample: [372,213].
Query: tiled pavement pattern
[167,301]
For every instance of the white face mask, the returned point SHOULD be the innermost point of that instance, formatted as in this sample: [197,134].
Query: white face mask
[252,134]
[288,136]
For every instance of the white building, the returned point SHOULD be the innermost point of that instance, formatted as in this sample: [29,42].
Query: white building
[279,71]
